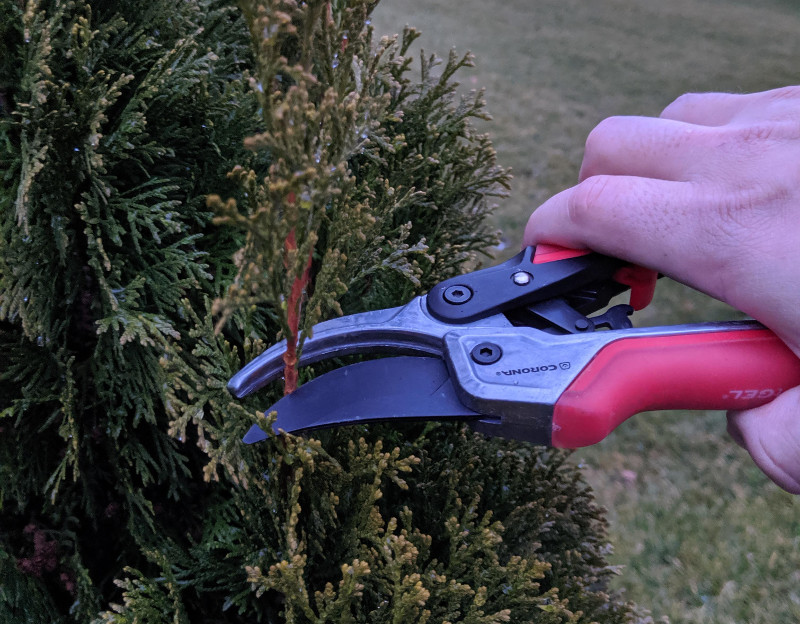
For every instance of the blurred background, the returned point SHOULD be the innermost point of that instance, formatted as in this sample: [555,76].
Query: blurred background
[699,533]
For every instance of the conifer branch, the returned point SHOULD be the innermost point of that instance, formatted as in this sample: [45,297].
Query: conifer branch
[356,180]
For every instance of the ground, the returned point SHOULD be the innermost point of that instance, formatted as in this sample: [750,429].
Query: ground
[700,534]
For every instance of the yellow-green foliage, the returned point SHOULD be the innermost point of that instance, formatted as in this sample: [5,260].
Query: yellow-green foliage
[126,494]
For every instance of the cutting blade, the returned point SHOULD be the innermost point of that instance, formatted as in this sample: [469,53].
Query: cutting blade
[391,389]
[406,330]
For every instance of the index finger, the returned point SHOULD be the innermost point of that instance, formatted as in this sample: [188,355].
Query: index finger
[643,220]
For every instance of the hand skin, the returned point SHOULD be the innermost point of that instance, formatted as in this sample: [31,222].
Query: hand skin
[708,194]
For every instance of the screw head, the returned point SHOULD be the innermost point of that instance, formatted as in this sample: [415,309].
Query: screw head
[458,294]
[486,353]
[582,324]
[522,278]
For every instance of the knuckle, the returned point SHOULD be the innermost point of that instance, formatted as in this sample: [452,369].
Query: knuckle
[784,93]
[750,139]
[602,145]
[756,133]
[737,222]
[586,198]
[686,105]
[607,130]
[751,207]
[681,103]
[702,106]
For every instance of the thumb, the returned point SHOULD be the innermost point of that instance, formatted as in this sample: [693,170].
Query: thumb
[771,434]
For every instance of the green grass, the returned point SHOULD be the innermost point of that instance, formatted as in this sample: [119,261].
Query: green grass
[701,535]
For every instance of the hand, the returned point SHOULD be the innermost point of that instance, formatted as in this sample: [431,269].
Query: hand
[708,194]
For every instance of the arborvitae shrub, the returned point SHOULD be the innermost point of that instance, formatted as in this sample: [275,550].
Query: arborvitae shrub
[355,182]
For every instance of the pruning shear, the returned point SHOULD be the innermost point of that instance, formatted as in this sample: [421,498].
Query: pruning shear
[513,350]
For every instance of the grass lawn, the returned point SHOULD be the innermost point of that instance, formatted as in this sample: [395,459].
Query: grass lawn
[701,535]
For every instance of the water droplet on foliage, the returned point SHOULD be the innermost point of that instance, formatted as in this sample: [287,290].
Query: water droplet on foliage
[335,62]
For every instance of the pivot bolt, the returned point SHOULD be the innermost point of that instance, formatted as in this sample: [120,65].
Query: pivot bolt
[522,278]
[486,353]
[458,294]
[582,324]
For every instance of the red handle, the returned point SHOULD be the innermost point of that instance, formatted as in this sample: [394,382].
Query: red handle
[734,369]
[642,281]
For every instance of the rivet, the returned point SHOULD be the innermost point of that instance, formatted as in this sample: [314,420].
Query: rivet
[522,278]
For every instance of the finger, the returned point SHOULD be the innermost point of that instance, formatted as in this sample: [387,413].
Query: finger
[707,109]
[646,147]
[771,434]
[641,220]
[719,109]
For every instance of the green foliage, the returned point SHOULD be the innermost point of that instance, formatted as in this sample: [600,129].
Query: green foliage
[380,178]
[147,600]
[120,119]
[126,494]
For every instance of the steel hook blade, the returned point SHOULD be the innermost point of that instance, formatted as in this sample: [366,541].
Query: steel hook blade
[390,389]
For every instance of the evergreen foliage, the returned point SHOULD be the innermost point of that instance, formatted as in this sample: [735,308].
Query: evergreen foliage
[126,494]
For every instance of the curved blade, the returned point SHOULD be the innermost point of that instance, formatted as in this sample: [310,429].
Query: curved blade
[406,330]
[399,388]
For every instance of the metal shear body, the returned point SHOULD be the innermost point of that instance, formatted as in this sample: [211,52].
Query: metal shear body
[513,351]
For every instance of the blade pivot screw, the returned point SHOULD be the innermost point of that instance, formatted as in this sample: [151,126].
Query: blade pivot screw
[486,353]
[458,294]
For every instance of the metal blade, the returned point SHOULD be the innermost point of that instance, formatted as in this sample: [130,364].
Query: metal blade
[406,330]
[399,388]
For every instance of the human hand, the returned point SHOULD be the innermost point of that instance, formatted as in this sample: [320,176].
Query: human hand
[708,194]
